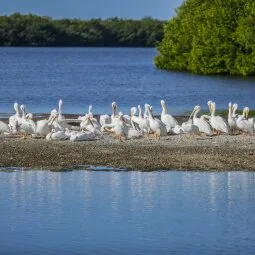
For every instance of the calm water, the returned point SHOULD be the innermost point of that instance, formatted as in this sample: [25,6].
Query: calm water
[88,212]
[38,77]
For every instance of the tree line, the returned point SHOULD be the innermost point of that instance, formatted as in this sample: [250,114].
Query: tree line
[210,37]
[33,30]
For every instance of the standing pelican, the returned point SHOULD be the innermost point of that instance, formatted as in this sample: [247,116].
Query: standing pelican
[156,126]
[117,127]
[231,118]
[167,118]
[201,123]
[43,126]
[244,124]
[15,119]
[27,126]
[217,122]
[142,123]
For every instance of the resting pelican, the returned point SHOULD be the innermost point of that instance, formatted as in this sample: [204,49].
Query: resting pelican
[91,125]
[142,123]
[27,125]
[57,135]
[217,122]
[167,118]
[244,124]
[201,123]
[93,120]
[190,128]
[156,126]
[82,136]
[4,128]
[43,126]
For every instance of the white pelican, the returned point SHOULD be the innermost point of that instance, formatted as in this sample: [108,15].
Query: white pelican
[4,128]
[106,119]
[93,120]
[90,124]
[142,123]
[15,119]
[190,128]
[231,118]
[60,115]
[57,135]
[115,115]
[167,118]
[244,124]
[117,127]
[82,136]
[156,126]
[27,126]
[201,123]
[217,122]
[43,126]
[145,115]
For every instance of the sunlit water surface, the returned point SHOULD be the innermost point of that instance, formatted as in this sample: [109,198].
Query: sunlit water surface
[108,212]
[38,77]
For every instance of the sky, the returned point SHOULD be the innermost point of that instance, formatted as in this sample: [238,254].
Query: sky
[87,9]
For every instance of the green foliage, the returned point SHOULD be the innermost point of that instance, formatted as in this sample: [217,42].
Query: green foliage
[210,37]
[32,30]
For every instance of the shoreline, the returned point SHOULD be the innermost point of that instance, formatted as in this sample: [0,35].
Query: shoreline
[177,152]
[174,152]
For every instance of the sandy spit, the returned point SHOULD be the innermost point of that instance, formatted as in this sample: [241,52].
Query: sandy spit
[180,152]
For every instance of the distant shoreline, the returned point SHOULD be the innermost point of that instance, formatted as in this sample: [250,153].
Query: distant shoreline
[31,30]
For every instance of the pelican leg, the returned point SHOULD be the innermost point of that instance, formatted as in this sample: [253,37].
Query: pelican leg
[157,136]
[23,136]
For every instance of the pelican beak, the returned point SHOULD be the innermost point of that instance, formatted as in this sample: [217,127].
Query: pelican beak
[91,122]
[246,114]
[53,119]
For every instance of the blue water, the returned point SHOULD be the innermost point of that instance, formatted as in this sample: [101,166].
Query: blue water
[94,212]
[38,77]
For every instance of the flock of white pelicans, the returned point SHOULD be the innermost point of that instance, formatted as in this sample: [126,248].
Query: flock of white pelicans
[87,127]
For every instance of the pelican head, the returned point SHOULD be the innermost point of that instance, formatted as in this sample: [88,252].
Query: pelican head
[60,103]
[133,111]
[114,104]
[22,107]
[234,109]
[163,102]
[16,107]
[114,108]
[29,116]
[196,109]
[54,112]
[209,103]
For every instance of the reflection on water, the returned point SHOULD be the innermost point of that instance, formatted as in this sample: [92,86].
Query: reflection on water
[127,212]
